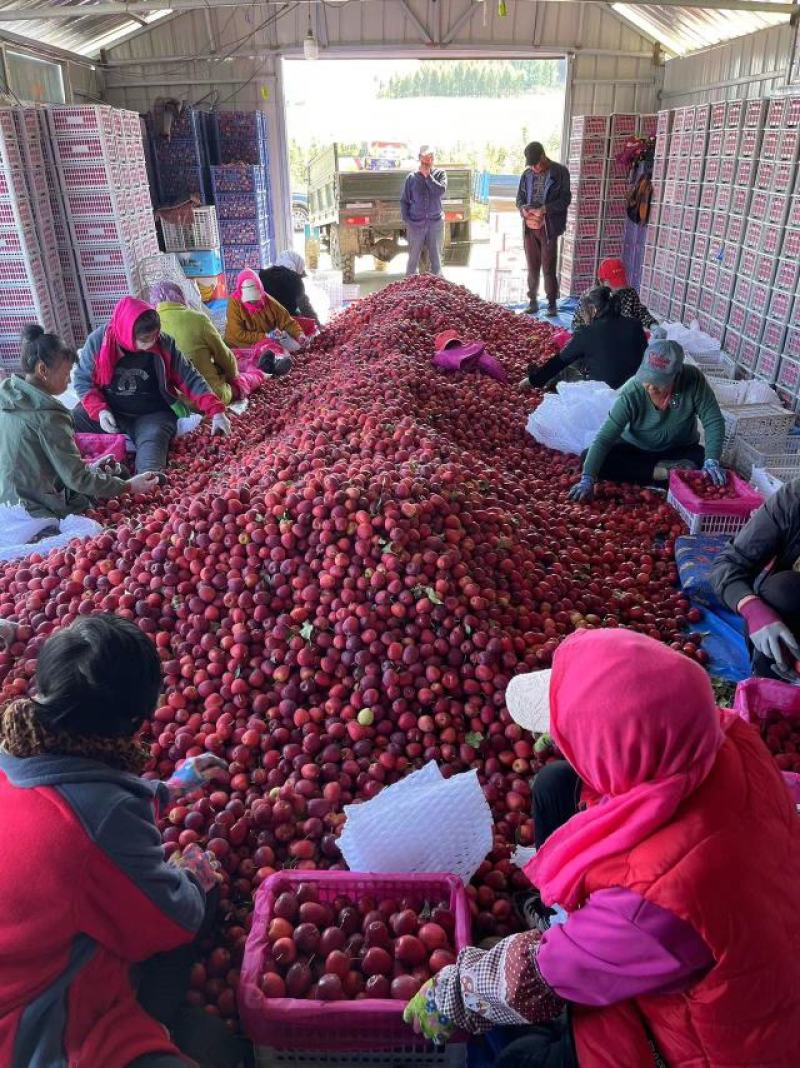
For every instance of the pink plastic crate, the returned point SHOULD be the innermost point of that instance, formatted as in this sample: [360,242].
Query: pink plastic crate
[789,370]
[292,1023]
[756,698]
[791,244]
[703,516]
[786,275]
[740,198]
[792,346]
[780,305]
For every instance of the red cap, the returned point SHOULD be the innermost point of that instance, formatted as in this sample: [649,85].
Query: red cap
[613,272]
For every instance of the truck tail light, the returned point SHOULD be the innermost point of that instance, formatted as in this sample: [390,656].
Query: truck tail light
[357,220]
[454,216]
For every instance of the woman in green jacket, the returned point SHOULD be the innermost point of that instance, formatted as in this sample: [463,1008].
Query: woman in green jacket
[40,466]
[197,338]
[652,426]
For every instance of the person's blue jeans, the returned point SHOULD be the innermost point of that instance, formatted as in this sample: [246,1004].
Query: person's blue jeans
[428,234]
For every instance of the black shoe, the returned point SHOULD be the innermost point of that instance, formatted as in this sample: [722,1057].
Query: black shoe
[532,309]
[552,312]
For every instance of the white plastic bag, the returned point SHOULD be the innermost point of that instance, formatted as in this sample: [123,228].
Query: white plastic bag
[188,423]
[422,823]
[692,338]
[569,419]
[17,528]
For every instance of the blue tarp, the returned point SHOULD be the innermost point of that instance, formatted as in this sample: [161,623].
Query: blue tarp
[723,630]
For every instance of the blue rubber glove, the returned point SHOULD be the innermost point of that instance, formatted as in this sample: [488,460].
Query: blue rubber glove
[583,490]
[715,472]
[196,772]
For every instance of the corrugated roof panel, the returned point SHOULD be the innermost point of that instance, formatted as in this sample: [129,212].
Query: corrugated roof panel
[686,29]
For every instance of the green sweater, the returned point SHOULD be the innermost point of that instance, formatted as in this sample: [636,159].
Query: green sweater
[40,466]
[635,419]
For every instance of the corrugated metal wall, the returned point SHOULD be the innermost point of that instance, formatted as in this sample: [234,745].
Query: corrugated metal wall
[752,66]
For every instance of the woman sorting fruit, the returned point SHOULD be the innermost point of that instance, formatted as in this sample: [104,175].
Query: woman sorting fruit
[652,426]
[283,281]
[198,340]
[676,933]
[40,465]
[252,315]
[758,576]
[129,376]
[612,273]
[609,349]
[98,929]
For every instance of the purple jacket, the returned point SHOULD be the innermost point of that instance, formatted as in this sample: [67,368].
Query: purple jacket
[421,199]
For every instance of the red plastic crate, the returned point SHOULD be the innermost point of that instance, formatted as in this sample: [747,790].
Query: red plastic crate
[755,698]
[293,1023]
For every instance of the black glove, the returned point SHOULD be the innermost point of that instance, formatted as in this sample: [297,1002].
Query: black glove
[540,376]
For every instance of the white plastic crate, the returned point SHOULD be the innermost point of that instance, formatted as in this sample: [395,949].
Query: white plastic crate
[201,233]
[766,425]
[747,456]
[707,524]
[765,482]
[453,1055]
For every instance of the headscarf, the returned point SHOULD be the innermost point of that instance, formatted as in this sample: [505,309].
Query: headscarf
[293,260]
[119,335]
[167,292]
[638,722]
[248,275]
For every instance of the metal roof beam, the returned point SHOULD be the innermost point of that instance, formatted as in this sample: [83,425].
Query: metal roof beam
[21,13]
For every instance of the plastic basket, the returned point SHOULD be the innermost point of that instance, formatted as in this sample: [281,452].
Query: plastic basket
[712,517]
[755,698]
[749,456]
[761,424]
[362,1026]
[765,482]
[454,1055]
[201,233]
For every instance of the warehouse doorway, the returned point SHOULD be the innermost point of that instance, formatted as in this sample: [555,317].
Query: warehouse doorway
[477,113]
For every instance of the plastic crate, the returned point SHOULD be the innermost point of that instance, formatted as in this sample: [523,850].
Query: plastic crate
[766,425]
[712,517]
[765,482]
[748,456]
[201,233]
[755,698]
[340,1026]
[453,1055]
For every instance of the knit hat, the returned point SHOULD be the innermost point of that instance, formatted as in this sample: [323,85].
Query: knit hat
[613,272]
[661,364]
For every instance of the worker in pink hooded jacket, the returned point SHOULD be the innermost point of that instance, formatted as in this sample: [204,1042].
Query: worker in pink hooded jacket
[674,933]
[128,378]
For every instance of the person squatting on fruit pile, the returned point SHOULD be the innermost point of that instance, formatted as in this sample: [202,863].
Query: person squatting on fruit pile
[422,212]
[99,931]
[768,602]
[608,349]
[675,932]
[612,273]
[252,315]
[198,340]
[655,416]
[128,378]
[40,465]
[283,281]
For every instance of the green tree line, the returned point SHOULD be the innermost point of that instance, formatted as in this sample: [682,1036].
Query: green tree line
[495,78]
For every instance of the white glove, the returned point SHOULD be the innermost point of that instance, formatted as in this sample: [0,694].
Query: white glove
[220,424]
[108,422]
[146,482]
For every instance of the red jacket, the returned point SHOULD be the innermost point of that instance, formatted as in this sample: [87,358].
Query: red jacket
[728,864]
[85,893]
[176,377]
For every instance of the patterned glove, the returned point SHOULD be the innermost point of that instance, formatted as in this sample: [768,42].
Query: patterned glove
[203,866]
[220,424]
[583,490]
[426,1019]
[196,772]
[715,472]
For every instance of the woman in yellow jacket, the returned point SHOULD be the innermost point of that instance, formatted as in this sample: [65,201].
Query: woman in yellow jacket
[252,314]
[197,338]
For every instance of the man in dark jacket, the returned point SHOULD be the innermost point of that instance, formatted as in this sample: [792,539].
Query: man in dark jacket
[769,603]
[542,199]
[421,208]
[609,349]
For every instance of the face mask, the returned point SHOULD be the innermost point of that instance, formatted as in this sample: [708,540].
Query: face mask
[250,293]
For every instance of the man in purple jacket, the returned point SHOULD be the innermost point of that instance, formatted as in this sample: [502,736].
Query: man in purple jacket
[421,208]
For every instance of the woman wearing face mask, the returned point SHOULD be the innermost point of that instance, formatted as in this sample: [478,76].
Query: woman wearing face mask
[652,426]
[40,466]
[128,377]
[252,314]
[608,349]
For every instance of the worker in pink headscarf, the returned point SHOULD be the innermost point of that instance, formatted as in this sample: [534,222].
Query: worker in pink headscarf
[128,378]
[252,314]
[674,933]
